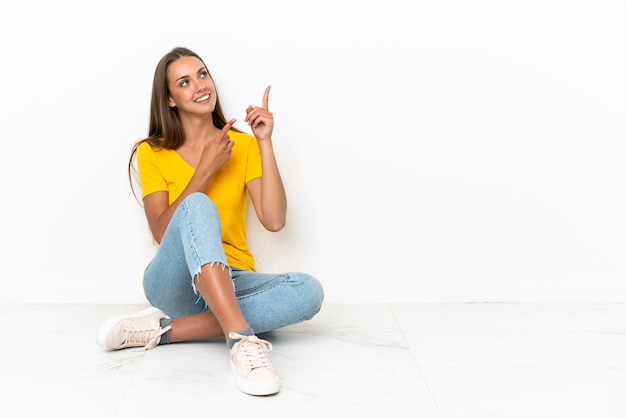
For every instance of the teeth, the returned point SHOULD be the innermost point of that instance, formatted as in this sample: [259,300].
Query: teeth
[205,97]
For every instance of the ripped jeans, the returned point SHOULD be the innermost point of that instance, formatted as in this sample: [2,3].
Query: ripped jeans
[193,239]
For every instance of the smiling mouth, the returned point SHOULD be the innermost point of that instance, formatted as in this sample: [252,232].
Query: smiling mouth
[203,98]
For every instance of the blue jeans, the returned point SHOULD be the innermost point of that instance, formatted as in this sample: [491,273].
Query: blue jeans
[192,240]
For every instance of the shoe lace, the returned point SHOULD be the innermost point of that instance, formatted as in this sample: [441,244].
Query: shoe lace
[254,350]
[150,337]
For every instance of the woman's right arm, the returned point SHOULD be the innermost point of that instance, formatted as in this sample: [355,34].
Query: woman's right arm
[156,205]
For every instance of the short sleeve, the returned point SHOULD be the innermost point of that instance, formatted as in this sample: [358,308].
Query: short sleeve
[254,167]
[150,175]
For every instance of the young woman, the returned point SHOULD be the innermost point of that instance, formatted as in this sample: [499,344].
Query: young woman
[196,171]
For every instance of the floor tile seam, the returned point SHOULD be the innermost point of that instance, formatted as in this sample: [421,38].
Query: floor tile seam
[131,380]
[415,360]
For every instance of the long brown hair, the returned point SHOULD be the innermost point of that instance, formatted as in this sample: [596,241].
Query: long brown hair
[165,129]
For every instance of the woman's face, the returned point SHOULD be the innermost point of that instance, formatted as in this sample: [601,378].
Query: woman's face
[190,86]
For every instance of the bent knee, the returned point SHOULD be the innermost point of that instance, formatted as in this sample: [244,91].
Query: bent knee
[311,292]
[200,199]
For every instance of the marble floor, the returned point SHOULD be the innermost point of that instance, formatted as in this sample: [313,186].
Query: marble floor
[375,360]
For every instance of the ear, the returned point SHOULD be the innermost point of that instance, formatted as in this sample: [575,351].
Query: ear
[170,101]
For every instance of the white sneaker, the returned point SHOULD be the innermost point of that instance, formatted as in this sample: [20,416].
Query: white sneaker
[142,329]
[251,367]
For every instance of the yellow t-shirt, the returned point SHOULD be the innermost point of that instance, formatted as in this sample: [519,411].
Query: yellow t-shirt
[166,170]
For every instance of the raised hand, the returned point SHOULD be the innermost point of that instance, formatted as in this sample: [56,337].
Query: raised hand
[217,151]
[261,119]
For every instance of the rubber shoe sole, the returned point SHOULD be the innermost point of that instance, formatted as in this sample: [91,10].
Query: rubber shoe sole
[104,329]
[255,388]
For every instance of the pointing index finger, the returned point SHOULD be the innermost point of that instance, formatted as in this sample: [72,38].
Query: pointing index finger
[228,125]
[266,96]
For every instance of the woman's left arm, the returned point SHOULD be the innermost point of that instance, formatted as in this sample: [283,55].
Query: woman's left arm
[267,192]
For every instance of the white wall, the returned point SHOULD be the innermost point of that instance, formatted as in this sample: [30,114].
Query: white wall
[431,150]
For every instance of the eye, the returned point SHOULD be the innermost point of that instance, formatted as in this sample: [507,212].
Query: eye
[184,83]
[204,74]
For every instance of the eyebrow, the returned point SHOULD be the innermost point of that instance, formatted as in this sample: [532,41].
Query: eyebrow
[203,68]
